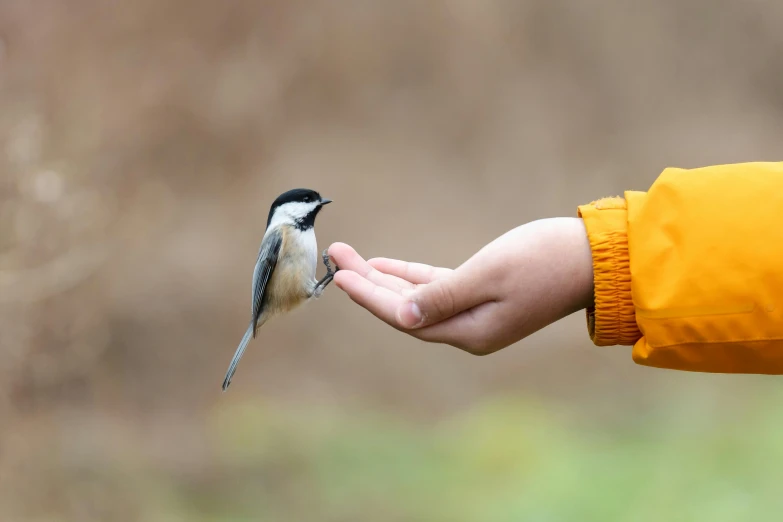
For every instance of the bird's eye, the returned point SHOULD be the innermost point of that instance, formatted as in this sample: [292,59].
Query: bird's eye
[307,199]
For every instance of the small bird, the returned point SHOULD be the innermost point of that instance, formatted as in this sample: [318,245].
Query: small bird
[284,275]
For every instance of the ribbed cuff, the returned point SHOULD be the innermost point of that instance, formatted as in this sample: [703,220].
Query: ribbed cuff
[612,319]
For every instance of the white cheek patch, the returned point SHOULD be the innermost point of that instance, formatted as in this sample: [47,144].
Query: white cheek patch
[290,212]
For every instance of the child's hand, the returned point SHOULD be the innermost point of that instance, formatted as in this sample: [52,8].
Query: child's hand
[517,284]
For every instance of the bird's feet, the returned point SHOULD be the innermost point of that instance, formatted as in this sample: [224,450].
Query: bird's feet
[325,280]
[327,264]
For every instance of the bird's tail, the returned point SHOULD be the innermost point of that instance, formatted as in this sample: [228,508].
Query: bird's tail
[237,356]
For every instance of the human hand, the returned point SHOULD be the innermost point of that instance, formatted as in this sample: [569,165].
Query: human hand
[517,284]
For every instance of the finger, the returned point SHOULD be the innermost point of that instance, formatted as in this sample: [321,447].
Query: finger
[379,301]
[443,298]
[463,330]
[348,259]
[416,273]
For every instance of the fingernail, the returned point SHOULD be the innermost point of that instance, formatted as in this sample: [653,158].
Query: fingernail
[409,315]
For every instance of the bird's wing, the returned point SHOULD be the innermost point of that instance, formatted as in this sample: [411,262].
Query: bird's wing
[265,264]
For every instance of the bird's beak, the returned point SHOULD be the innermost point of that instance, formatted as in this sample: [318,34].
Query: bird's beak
[325,201]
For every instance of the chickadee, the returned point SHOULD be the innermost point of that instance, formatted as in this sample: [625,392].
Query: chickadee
[284,276]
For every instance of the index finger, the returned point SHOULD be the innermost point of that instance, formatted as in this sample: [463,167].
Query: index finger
[416,273]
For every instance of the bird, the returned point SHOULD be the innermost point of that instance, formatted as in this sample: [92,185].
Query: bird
[284,274]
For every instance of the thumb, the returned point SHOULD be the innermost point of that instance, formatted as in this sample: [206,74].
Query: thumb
[440,299]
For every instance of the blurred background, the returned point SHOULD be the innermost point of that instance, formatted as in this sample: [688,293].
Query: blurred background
[141,144]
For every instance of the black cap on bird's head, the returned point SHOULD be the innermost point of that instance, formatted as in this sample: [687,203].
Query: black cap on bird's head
[299,206]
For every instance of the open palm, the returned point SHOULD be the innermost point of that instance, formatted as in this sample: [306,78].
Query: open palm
[517,284]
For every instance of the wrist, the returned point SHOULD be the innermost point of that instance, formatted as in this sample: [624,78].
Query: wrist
[551,276]
[569,257]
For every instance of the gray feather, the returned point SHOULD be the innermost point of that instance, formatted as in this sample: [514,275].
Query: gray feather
[265,264]
[232,368]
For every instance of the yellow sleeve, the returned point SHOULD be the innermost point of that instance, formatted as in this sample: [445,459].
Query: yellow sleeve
[691,272]
[612,318]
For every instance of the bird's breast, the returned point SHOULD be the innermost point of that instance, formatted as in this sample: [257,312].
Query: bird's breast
[291,281]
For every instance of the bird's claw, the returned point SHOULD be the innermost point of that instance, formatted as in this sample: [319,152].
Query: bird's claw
[325,256]
[324,282]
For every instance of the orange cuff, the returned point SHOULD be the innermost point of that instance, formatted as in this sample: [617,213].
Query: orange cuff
[612,319]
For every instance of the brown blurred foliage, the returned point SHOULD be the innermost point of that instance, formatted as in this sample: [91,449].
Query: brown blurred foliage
[142,142]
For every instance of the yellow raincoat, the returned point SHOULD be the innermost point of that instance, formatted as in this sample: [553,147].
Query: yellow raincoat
[691,272]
